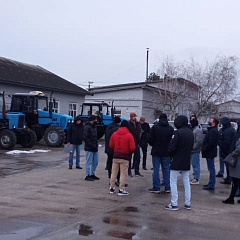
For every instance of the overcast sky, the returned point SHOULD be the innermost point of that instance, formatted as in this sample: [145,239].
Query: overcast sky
[105,41]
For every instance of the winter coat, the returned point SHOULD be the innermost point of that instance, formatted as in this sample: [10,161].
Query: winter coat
[75,134]
[122,143]
[145,131]
[90,137]
[198,139]
[181,145]
[135,130]
[159,138]
[235,171]
[108,133]
[227,138]
[209,146]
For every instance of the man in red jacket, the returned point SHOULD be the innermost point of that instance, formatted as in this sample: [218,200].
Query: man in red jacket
[123,145]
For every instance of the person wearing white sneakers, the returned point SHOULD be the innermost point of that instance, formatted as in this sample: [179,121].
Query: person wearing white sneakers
[123,145]
[180,148]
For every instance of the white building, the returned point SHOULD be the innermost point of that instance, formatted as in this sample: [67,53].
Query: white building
[143,98]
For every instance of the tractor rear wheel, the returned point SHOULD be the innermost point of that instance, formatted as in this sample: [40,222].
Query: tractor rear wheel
[8,139]
[54,136]
[28,139]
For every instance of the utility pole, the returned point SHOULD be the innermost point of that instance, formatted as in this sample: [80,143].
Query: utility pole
[89,85]
[147,64]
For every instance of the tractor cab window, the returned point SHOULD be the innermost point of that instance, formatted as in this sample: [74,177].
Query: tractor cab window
[105,110]
[95,110]
[16,105]
[42,103]
[86,110]
[28,103]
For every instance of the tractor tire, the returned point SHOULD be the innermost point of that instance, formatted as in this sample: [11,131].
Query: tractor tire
[28,139]
[54,136]
[8,139]
[100,131]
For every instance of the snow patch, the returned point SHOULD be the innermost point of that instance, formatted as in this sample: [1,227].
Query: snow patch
[27,152]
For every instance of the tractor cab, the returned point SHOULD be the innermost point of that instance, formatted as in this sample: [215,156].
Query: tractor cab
[29,104]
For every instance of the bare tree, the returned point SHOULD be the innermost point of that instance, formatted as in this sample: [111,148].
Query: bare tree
[214,83]
[171,88]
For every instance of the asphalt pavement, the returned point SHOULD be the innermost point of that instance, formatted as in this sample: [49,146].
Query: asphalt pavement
[42,199]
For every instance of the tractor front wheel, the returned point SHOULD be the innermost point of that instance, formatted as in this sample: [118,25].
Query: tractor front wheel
[54,136]
[7,139]
[28,139]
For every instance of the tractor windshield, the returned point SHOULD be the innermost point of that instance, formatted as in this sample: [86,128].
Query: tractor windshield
[42,103]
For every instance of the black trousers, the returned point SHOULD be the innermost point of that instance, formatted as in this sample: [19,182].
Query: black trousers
[109,166]
[136,160]
[144,151]
[235,187]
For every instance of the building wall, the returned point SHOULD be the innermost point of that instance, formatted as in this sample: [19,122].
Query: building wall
[125,100]
[64,99]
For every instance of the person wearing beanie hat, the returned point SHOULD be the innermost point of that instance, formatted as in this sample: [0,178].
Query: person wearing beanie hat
[197,146]
[123,146]
[91,148]
[135,129]
[143,141]
[75,137]
[111,128]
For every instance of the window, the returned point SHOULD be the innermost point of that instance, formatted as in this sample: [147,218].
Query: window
[56,106]
[73,109]
[117,113]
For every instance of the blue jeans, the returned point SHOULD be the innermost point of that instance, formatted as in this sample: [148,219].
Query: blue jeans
[91,163]
[77,148]
[211,169]
[195,160]
[221,163]
[174,190]
[165,163]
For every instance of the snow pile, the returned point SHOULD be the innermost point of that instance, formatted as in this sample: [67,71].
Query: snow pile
[27,152]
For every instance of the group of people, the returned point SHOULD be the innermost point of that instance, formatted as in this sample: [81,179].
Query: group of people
[175,150]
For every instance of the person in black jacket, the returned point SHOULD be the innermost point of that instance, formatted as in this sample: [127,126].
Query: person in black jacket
[143,141]
[111,128]
[75,137]
[209,151]
[135,129]
[180,149]
[91,148]
[227,143]
[159,138]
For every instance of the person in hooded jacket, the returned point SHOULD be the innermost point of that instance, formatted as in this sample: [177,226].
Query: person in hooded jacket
[123,145]
[209,151]
[180,148]
[195,156]
[234,173]
[227,143]
[75,137]
[91,148]
[159,138]
[111,128]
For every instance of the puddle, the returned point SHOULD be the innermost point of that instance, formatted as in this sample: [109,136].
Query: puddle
[131,209]
[85,230]
[123,235]
[117,221]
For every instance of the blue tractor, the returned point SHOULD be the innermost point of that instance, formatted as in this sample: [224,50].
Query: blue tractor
[13,129]
[40,117]
[104,113]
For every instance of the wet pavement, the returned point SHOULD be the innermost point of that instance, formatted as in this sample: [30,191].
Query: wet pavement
[42,199]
